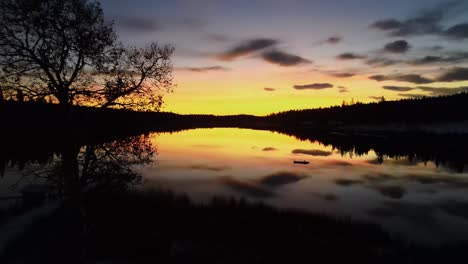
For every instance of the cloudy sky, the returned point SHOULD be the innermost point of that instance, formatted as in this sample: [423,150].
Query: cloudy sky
[263,56]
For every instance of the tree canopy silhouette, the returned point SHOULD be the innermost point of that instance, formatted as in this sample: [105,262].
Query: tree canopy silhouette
[63,51]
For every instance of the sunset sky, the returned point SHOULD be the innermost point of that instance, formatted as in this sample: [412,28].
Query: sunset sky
[263,56]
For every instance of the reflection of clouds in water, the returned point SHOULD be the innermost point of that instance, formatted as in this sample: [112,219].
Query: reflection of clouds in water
[207,167]
[329,197]
[193,161]
[378,178]
[246,188]
[455,208]
[419,214]
[394,161]
[337,163]
[206,146]
[375,161]
[352,184]
[381,212]
[347,182]
[312,152]
[394,192]
[428,191]
[269,149]
[435,223]
[376,182]
[392,186]
[261,188]
[282,178]
[202,167]
[448,180]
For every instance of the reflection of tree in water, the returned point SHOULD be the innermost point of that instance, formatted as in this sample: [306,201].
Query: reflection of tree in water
[98,167]
[111,165]
[73,173]
[445,151]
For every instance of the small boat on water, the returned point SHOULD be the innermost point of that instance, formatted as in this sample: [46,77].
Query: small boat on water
[301,162]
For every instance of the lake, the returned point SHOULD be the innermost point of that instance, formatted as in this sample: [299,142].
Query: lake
[410,197]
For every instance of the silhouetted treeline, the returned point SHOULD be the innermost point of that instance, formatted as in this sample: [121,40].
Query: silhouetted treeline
[442,109]
[46,119]
[49,119]
[87,123]
[420,110]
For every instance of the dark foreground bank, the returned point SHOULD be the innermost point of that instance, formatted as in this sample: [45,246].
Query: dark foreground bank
[132,227]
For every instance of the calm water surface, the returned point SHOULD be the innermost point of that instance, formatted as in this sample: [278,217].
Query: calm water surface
[411,199]
[418,201]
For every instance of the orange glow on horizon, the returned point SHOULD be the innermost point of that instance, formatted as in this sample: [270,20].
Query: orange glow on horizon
[239,89]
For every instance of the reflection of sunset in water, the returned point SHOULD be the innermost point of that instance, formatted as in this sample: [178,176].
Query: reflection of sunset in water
[404,196]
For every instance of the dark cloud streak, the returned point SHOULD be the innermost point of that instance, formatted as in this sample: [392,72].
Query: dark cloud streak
[246,48]
[204,69]
[218,37]
[342,74]
[350,56]
[387,24]
[398,46]
[411,95]
[454,57]
[381,62]
[433,91]
[459,31]
[313,86]
[398,88]
[437,91]
[333,40]
[411,78]
[283,59]
[343,89]
[454,74]
[426,23]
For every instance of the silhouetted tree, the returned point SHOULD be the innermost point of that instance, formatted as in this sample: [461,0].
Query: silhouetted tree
[64,50]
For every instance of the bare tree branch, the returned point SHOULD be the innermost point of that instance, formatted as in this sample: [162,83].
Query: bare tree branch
[64,50]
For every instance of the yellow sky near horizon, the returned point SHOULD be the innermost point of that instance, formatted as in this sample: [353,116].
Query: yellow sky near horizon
[225,93]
